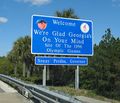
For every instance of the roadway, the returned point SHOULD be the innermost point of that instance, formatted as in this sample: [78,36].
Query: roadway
[10,95]
[1,91]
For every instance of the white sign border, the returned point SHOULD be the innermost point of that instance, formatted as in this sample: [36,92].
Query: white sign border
[62,57]
[57,53]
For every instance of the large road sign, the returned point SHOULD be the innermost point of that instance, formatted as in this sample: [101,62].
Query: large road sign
[61,36]
[61,61]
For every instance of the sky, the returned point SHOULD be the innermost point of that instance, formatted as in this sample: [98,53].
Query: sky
[15,17]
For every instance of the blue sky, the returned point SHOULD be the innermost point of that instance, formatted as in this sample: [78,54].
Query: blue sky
[15,17]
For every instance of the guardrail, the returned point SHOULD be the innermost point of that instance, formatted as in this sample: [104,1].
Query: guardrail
[41,94]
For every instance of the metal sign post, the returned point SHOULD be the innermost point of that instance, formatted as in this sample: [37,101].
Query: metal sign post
[77,78]
[44,75]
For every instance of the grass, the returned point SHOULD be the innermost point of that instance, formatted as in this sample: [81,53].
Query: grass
[82,92]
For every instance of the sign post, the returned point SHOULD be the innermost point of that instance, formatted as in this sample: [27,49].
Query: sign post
[77,78]
[82,61]
[44,75]
[61,36]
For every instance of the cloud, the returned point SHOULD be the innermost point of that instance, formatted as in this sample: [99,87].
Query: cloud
[3,20]
[35,2]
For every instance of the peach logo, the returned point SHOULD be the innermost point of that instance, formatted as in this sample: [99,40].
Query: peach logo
[84,27]
[41,24]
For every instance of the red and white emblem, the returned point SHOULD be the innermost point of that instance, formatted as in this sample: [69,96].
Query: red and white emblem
[84,27]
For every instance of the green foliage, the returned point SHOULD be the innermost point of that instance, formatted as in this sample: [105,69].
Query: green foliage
[106,63]
[82,92]
[5,66]
[87,76]
[62,75]
[21,54]
[32,79]
[67,13]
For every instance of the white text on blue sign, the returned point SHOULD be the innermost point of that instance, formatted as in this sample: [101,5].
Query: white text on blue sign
[61,36]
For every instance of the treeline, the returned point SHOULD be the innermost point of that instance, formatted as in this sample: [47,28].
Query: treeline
[103,71]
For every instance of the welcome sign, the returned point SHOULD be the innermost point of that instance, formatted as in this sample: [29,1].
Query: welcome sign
[61,36]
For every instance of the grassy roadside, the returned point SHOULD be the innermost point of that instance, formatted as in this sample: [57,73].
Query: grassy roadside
[82,92]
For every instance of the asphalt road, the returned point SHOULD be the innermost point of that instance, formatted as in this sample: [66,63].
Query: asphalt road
[1,91]
[10,95]
[13,98]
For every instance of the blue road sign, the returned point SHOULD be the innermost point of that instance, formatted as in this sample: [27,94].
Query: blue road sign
[61,36]
[61,61]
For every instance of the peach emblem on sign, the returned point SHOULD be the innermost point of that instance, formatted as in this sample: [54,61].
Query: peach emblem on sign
[41,24]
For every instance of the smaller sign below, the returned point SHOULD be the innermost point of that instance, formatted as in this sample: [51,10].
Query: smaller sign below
[61,61]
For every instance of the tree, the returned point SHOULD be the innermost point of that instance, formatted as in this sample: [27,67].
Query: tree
[5,66]
[105,63]
[14,60]
[21,52]
[67,13]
